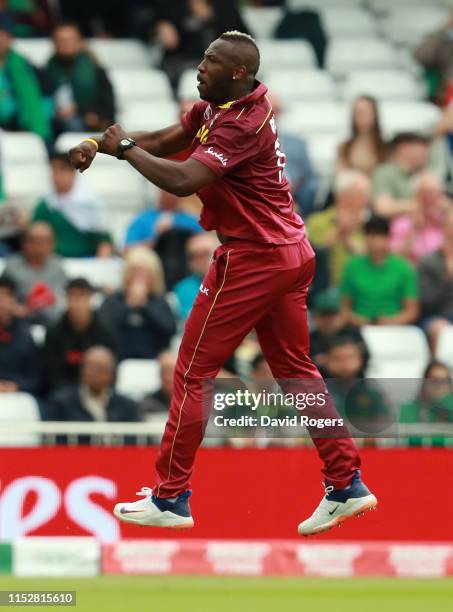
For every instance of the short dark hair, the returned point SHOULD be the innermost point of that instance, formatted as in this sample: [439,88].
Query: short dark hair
[408,138]
[377,225]
[67,24]
[61,157]
[241,37]
[7,283]
[79,283]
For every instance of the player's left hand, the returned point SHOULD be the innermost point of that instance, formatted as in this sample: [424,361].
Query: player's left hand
[111,138]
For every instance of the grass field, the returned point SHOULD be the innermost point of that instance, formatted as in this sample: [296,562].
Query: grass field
[176,594]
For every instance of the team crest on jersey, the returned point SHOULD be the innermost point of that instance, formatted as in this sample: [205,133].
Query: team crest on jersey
[202,134]
[208,112]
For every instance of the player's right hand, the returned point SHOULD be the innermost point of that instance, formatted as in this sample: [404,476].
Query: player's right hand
[82,155]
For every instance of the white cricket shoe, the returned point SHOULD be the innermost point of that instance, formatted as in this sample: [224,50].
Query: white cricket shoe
[157,512]
[337,506]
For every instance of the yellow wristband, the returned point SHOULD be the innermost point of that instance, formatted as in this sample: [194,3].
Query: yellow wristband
[93,141]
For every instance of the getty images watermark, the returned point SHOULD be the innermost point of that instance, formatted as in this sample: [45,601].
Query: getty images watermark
[416,410]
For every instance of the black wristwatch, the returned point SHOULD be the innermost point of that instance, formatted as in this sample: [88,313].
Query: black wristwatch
[123,145]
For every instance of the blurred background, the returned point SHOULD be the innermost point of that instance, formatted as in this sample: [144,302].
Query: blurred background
[99,273]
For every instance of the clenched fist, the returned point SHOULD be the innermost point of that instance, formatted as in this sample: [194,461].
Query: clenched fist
[82,155]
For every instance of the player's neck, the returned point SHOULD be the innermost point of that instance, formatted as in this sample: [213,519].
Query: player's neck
[240,90]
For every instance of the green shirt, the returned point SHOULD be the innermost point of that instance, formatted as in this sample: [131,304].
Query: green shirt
[70,241]
[379,290]
[416,412]
[391,179]
[319,226]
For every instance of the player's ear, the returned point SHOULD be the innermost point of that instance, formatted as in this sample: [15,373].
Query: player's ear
[239,73]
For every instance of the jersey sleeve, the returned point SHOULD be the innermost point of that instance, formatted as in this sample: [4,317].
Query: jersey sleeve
[227,145]
[191,120]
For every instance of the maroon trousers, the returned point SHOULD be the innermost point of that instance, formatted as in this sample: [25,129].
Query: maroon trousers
[248,286]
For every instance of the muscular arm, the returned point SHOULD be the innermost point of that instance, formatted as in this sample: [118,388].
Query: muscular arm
[181,179]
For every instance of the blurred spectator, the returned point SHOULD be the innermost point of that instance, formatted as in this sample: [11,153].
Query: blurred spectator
[392,185]
[435,54]
[185,29]
[366,148]
[159,401]
[94,398]
[82,92]
[330,325]
[21,103]
[79,328]
[139,315]
[360,401]
[199,250]
[298,168]
[421,232]
[19,359]
[433,404]
[441,153]
[32,18]
[75,213]
[170,214]
[379,287]
[436,285]
[306,25]
[38,274]
[13,218]
[338,229]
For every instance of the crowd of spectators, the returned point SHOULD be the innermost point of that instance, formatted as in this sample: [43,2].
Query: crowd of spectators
[383,236]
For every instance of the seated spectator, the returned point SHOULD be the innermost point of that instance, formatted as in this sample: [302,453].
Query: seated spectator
[152,223]
[299,170]
[379,287]
[32,18]
[329,326]
[94,397]
[13,218]
[38,274]
[360,401]
[139,315]
[436,285]
[420,232]
[79,328]
[21,103]
[392,185]
[159,401]
[365,149]
[82,92]
[338,229]
[199,251]
[435,54]
[184,30]
[19,358]
[75,213]
[433,404]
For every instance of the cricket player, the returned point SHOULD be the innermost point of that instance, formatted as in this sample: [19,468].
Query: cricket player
[258,279]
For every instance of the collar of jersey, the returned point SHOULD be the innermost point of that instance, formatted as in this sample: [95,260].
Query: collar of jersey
[260,90]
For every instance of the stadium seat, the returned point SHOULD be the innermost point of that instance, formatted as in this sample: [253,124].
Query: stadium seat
[347,54]
[28,185]
[36,50]
[17,407]
[404,116]
[297,5]
[396,351]
[262,21]
[122,187]
[315,118]
[149,115]
[323,151]
[384,7]
[348,21]
[119,221]
[283,54]
[140,85]
[444,351]
[120,53]
[100,272]
[22,148]
[187,88]
[383,85]
[409,25]
[138,377]
[293,85]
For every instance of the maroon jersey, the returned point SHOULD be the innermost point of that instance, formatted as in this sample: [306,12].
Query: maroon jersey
[239,142]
